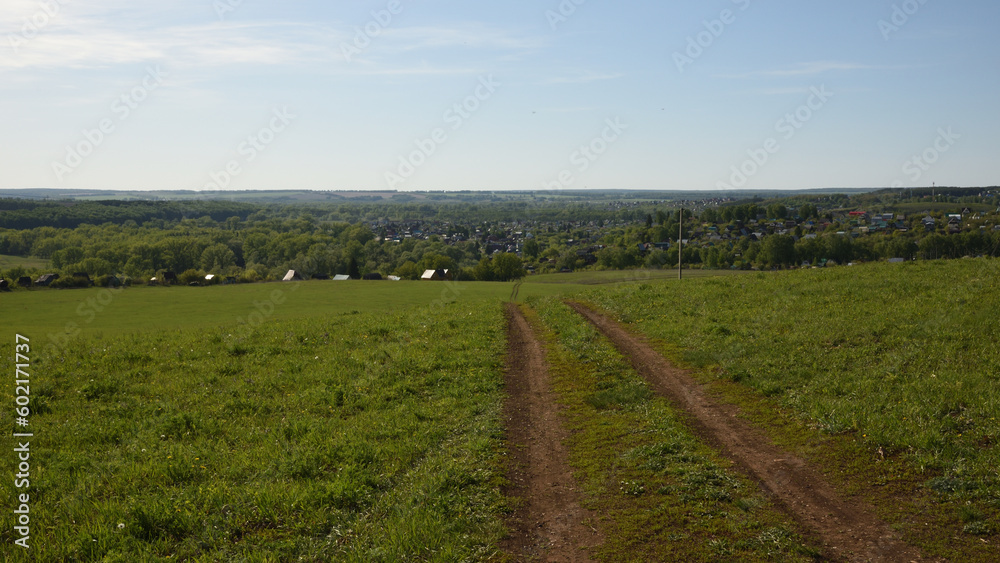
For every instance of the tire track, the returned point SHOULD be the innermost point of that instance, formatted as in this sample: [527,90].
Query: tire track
[549,525]
[848,529]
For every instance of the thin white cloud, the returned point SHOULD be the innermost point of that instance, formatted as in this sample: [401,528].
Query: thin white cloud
[583,78]
[568,110]
[471,35]
[75,41]
[806,69]
[91,44]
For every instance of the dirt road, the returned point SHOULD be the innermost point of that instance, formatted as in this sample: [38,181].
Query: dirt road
[848,529]
[550,524]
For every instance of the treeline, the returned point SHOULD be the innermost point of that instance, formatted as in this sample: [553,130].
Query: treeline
[246,251]
[31,214]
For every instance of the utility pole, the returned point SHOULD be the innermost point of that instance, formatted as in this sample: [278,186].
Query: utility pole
[680,244]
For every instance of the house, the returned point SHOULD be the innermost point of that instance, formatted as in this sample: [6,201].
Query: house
[292,275]
[46,279]
[341,277]
[374,276]
[211,279]
[436,275]
[395,278]
[24,281]
[4,285]
[169,277]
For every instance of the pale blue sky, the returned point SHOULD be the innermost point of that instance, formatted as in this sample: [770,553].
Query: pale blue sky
[201,76]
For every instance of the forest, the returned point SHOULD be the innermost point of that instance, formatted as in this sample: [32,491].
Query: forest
[498,241]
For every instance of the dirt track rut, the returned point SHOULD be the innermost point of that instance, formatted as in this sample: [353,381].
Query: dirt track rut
[848,529]
[550,525]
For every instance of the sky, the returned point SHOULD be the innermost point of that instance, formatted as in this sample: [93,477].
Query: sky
[489,95]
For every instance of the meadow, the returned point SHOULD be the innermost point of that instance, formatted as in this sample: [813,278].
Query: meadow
[896,364]
[362,421]
[348,437]
[100,312]
[7,262]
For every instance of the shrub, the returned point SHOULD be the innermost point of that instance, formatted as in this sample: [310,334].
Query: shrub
[189,276]
[70,282]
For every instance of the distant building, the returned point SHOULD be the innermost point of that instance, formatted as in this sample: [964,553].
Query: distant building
[46,279]
[436,275]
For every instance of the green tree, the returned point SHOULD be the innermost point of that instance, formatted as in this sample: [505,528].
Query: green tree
[217,258]
[531,248]
[508,267]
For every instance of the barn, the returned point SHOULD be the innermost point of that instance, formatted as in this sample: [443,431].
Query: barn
[46,279]
[292,275]
[436,275]
[374,276]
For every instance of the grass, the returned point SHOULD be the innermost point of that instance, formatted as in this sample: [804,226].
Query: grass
[601,277]
[661,494]
[7,262]
[364,437]
[887,375]
[64,314]
[59,315]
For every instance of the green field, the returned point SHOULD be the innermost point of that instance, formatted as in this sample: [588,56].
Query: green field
[105,312]
[96,311]
[602,277]
[899,363]
[372,437]
[7,262]
[362,421]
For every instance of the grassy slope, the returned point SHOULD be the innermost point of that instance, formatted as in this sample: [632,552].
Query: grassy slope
[98,311]
[888,375]
[13,261]
[601,277]
[662,495]
[359,437]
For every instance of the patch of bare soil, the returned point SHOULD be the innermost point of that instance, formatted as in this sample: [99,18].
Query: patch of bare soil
[550,525]
[848,529]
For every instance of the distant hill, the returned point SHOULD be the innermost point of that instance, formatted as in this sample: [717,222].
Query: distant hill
[473,196]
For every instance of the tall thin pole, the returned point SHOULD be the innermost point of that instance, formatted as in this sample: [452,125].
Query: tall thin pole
[680,244]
